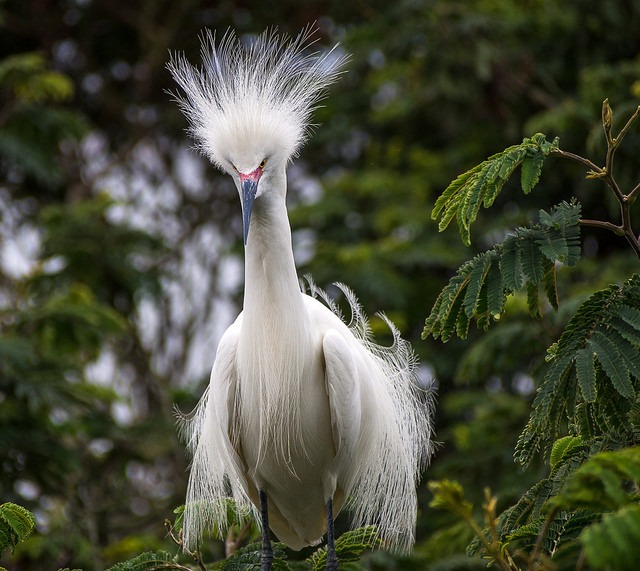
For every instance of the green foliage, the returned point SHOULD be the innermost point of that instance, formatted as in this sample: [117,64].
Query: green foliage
[606,482]
[240,526]
[595,510]
[480,287]
[245,552]
[349,547]
[598,508]
[27,76]
[149,561]
[615,540]
[249,558]
[591,380]
[76,235]
[462,80]
[16,525]
[593,371]
[448,495]
[482,184]
[70,319]
[34,124]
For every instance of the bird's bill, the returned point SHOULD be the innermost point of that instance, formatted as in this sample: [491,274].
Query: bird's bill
[248,186]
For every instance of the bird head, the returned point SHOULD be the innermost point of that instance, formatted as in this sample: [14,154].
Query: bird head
[250,104]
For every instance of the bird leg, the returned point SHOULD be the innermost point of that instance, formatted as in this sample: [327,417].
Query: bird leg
[332,557]
[267,552]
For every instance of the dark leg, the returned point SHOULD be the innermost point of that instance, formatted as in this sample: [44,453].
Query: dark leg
[267,552]
[332,558]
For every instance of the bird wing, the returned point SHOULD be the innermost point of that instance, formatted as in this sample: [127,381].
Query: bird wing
[343,388]
[217,464]
[223,386]
[380,426]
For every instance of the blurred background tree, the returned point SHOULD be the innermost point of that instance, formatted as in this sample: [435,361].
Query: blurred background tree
[120,251]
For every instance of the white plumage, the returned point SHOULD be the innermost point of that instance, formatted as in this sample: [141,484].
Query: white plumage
[300,406]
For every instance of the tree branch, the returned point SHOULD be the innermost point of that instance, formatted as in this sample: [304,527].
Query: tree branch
[618,230]
[594,171]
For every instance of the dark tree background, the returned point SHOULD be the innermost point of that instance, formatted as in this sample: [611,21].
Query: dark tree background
[120,251]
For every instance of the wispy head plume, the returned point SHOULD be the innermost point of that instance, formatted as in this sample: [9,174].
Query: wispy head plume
[265,90]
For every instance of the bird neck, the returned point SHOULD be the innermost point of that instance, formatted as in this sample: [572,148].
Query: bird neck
[274,344]
[271,282]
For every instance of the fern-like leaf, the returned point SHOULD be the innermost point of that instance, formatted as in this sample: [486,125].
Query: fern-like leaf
[532,257]
[16,525]
[249,557]
[477,277]
[600,354]
[613,542]
[612,363]
[600,484]
[482,184]
[149,561]
[530,171]
[585,370]
[349,546]
[562,448]
[480,287]
[511,265]
[550,284]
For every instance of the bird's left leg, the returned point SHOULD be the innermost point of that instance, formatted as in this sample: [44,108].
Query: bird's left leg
[267,552]
[332,557]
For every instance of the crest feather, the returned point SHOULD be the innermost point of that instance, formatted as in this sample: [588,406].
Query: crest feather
[265,91]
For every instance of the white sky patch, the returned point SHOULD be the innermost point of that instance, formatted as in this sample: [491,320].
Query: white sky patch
[19,252]
[19,241]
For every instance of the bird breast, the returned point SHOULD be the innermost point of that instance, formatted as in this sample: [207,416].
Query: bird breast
[282,404]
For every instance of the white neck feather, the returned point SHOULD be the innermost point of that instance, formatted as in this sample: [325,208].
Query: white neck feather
[271,281]
[275,336]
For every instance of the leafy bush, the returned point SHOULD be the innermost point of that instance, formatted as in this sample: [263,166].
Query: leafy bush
[585,415]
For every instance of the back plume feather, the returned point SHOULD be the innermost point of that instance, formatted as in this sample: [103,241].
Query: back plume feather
[273,83]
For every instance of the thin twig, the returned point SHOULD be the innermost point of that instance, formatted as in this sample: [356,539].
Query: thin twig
[595,170]
[625,201]
[608,171]
[179,541]
[231,544]
[623,131]
[618,230]
[535,554]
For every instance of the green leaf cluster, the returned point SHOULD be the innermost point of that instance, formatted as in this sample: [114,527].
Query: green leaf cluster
[481,185]
[27,76]
[33,121]
[349,546]
[586,411]
[149,561]
[249,558]
[528,256]
[16,525]
[593,371]
[593,506]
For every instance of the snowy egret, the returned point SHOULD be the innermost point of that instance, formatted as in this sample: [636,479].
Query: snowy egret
[303,413]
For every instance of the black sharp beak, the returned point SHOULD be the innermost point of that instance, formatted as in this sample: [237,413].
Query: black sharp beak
[249,188]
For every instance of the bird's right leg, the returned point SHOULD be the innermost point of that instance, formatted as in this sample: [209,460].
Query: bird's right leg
[332,558]
[267,552]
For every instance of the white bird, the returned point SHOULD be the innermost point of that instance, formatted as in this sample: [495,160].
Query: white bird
[303,413]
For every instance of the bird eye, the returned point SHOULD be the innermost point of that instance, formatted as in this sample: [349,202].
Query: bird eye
[262,164]
[234,167]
